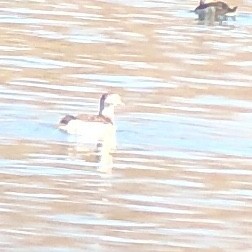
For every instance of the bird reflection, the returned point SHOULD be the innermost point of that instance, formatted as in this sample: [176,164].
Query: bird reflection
[98,155]
[104,158]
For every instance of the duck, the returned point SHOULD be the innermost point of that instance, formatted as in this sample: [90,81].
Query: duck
[215,11]
[94,127]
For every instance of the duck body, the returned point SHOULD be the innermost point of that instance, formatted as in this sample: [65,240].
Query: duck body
[94,128]
[86,126]
[217,11]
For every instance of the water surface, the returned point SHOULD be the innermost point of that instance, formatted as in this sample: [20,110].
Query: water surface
[180,179]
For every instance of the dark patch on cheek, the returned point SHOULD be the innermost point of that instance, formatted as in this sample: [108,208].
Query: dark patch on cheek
[102,100]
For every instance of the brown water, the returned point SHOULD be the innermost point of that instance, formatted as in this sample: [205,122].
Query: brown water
[181,179]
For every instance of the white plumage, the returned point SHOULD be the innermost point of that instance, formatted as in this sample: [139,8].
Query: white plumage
[95,128]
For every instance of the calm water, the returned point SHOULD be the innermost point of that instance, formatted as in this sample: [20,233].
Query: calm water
[181,178]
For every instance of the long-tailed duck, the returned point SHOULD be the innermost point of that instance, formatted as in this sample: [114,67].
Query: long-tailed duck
[214,11]
[95,127]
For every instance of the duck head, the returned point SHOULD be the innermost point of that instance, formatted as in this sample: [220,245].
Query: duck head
[108,102]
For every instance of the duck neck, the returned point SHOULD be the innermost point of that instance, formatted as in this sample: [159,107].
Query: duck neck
[108,112]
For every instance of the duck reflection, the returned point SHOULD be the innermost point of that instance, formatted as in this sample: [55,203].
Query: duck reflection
[99,155]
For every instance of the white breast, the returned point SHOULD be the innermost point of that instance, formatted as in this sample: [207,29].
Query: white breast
[231,14]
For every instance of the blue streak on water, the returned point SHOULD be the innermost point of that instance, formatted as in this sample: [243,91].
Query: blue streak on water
[35,62]
[32,130]
[163,137]
[125,81]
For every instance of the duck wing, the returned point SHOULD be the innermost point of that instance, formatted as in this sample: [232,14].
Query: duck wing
[218,5]
[94,118]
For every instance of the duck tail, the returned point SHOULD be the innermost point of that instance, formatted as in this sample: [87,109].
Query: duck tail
[232,9]
[66,119]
